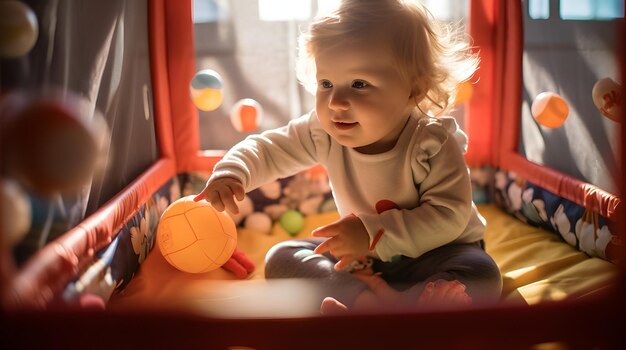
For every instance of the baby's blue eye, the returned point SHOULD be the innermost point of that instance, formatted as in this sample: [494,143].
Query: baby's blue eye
[359,84]
[326,84]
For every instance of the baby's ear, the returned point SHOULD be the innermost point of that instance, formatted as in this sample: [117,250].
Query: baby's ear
[416,96]
[417,91]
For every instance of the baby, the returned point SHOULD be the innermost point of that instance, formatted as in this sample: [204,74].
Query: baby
[409,235]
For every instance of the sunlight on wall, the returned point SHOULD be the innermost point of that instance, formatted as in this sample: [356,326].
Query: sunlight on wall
[284,10]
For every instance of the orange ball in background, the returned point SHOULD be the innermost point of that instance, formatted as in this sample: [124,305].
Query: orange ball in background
[52,142]
[206,90]
[607,95]
[550,109]
[246,115]
[194,237]
[464,92]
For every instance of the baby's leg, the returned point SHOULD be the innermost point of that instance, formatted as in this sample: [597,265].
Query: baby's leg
[438,295]
[452,276]
[295,259]
[468,264]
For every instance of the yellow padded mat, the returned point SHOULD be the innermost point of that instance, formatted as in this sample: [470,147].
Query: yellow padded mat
[536,265]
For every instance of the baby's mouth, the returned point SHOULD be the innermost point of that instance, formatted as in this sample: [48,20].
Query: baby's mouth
[344,126]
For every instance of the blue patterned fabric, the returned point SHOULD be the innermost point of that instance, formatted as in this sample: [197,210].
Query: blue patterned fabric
[582,228]
[115,265]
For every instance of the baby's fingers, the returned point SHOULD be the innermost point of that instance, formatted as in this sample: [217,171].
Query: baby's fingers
[323,247]
[216,200]
[238,191]
[324,231]
[200,196]
[344,262]
[228,201]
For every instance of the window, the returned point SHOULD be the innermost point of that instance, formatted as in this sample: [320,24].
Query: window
[576,9]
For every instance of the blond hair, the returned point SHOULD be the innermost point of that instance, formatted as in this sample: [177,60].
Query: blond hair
[434,58]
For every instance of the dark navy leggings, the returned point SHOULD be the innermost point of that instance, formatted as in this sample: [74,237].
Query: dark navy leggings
[468,263]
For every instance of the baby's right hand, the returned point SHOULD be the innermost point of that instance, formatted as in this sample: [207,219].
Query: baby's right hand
[221,193]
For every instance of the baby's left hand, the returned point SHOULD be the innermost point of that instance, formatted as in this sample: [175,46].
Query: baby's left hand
[347,240]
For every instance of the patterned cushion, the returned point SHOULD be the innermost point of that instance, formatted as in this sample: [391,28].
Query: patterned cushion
[114,266]
[582,228]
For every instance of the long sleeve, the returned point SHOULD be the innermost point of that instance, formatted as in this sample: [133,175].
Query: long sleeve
[444,207]
[274,153]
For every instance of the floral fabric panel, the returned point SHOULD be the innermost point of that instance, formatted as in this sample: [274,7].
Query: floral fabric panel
[582,228]
[115,265]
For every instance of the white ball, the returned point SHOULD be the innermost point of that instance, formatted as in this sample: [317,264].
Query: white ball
[246,207]
[259,222]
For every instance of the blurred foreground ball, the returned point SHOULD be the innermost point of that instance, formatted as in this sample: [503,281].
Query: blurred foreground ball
[16,212]
[607,95]
[52,143]
[18,29]
[246,115]
[193,237]
[550,109]
[206,90]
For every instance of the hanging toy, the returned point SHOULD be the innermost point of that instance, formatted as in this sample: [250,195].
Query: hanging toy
[18,29]
[607,96]
[246,115]
[206,90]
[550,109]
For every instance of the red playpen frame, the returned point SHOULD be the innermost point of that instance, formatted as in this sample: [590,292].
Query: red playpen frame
[496,27]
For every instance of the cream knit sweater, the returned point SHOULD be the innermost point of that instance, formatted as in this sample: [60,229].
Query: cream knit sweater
[413,198]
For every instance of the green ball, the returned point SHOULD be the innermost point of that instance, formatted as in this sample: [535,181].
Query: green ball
[292,221]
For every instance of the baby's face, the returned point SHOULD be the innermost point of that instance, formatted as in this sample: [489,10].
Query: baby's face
[361,99]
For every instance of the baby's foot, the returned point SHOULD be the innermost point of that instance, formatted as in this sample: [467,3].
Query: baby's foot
[330,306]
[442,294]
[380,297]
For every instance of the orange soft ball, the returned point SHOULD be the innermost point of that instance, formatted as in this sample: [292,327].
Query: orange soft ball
[246,115]
[607,96]
[550,109]
[193,237]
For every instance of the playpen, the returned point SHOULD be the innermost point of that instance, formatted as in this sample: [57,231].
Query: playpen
[96,279]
